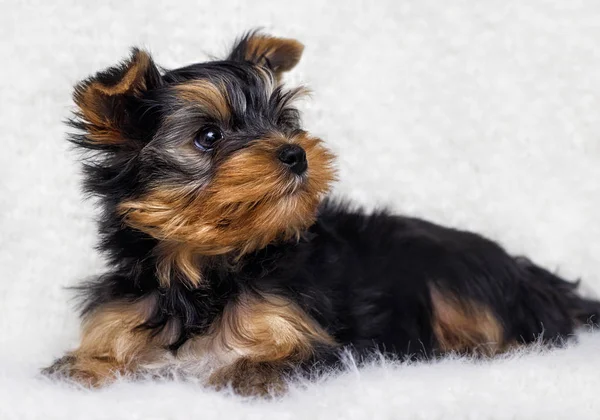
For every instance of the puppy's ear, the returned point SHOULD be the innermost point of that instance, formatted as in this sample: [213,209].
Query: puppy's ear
[277,54]
[111,104]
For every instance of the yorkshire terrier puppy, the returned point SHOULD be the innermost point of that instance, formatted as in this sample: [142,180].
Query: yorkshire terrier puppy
[226,260]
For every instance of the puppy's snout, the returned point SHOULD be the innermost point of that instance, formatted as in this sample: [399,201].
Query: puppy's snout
[294,157]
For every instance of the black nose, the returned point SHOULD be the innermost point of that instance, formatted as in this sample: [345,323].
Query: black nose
[294,157]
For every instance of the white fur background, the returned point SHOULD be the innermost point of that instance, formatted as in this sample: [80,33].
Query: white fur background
[475,113]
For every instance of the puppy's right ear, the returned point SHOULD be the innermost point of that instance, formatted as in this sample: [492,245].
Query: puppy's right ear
[277,54]
[111,103]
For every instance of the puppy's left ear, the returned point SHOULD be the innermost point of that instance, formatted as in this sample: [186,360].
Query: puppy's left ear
[112,110]
[277,54]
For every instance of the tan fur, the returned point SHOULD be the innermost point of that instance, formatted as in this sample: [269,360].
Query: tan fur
[465,327]
[133,80]
[261,328]
[269,328]
[252,201]
[206,95]
[112,345]
[251,345]
[282,54]
[93,100]
[180,259]
[250,378]
[258,338]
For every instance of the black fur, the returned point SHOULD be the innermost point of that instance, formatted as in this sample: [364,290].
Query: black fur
[364,277]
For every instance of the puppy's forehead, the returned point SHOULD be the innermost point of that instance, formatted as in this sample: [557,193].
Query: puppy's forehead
[227,90]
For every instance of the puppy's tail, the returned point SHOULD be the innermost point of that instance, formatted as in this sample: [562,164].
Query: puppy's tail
[551,307]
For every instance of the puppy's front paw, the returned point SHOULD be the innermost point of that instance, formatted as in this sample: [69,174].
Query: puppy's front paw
[88,371]
[60,367]
[249,378]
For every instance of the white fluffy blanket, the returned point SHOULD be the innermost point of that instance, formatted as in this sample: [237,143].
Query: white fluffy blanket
[479,114]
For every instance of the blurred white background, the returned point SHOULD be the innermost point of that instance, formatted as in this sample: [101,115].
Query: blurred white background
[479,114]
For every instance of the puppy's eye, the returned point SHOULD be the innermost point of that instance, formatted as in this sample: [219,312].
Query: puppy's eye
[207,137]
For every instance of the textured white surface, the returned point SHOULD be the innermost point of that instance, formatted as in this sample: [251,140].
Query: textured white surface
[478,114]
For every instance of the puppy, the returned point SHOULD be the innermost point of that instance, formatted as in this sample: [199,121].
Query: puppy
[226,260]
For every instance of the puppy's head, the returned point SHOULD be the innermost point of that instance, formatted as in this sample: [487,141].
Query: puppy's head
[210,158]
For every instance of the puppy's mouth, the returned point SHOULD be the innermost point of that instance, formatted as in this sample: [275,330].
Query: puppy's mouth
[295,184]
